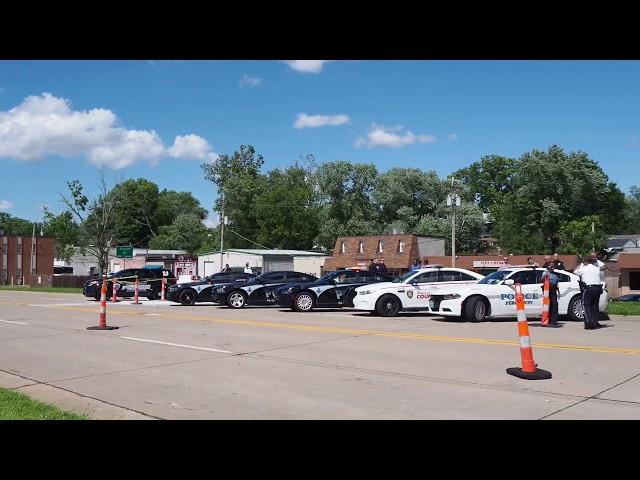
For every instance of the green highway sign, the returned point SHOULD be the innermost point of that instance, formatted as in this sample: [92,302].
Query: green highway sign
[124,252]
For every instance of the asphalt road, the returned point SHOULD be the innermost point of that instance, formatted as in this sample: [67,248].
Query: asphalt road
[167,361]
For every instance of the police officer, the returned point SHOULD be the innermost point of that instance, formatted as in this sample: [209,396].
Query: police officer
[590,274]
[558,263]
[553,293]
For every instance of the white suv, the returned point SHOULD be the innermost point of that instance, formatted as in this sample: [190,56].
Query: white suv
[494,296]
[411,291]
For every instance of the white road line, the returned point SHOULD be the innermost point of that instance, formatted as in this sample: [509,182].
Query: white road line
[176,344]
[19,323]
[150,314]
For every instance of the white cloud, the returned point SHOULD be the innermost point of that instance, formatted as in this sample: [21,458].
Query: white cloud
[306,66]
[210,222]
[311,121]
[247,81]
[46,125]
[192,147]
[381,136]
[5,205]
[452,137]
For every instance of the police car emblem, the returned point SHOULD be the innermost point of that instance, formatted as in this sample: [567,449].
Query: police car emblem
[410,294]
[317,290]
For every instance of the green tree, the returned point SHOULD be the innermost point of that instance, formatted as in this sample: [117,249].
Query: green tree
[346,205]
[469,226]
[171,204]
[136,220]
[15,226]
[632,211]
[489,180]
[239,183]
[187,232]
[583,235]
[65,231]
[287,210]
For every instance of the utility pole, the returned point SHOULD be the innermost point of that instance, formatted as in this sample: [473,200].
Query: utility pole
[222,232]
[453,199]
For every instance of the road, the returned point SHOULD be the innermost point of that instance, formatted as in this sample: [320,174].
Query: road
[166,361]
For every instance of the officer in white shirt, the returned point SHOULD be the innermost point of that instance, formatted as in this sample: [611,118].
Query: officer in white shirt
[589,273]
[247,268]
[601,265]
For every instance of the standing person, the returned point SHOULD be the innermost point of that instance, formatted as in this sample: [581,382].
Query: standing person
[601,265]
[553,293]
[226,268]
[505,263]
[589,273]
[247,268]
[547,261]
[559,263]
[372,265]
[382,268]
[425,262]
[416,265]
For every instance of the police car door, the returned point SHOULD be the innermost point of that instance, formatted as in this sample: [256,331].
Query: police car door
[335,296]
[265,295]
[531,289]
[205,291]
[566,291]
[418,292]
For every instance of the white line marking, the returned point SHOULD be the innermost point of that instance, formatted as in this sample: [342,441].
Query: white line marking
[158,314]
[19,323]
[176,344]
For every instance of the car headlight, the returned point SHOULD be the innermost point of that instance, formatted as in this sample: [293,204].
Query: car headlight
[450,296]
[365,292]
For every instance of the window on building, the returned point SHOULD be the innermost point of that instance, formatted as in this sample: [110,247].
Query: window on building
[342,248]
[634,280]
[19,249]
[380,246]
[400,246]
[361,247]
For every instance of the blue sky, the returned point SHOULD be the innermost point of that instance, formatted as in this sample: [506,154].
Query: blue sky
[161,119]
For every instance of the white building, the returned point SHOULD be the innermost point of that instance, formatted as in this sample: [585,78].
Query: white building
[262,260]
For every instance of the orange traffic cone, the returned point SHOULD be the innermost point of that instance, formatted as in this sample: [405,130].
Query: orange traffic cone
[135,294]
[528,370]
[162,288]
[545,303]
[114,293]
[103,309]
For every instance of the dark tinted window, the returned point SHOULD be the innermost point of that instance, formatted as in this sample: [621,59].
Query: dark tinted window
[372,277]
[563,278]
[465,277]
[449,276]
[526,277]
[426,277]
[224,278]
[346,277]
[296,277]
[273,277]
[125,273]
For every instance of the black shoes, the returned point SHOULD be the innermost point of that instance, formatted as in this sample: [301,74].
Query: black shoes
[593,326]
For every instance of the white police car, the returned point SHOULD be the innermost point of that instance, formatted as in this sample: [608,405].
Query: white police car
[494,296]
[412,291]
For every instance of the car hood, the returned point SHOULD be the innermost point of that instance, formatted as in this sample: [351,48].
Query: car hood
[379,286]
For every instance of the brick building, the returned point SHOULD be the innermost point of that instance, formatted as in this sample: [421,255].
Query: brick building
[398,251]
[16,264]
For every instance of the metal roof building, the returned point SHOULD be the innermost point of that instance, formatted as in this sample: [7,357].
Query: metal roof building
[262,260]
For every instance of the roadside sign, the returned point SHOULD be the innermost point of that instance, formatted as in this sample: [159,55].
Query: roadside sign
[124,252]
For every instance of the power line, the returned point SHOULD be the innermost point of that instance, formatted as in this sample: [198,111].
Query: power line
[236,233]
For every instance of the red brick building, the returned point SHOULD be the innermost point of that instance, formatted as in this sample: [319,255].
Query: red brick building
[16,264]
[398,251]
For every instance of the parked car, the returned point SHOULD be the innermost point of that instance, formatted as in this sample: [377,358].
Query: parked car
[259,290]
[202,291]
[630,297]
[411,291]
[494,296]
[149,283]
[334,290]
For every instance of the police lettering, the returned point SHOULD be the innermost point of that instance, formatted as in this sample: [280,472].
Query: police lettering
[527,296]
[424,295]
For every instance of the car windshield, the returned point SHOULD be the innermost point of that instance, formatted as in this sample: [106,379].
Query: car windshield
[254,280]
[328,277]
[404,277]
[495,277]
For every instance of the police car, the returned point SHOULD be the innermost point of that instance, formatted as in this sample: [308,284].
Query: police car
[411,291]
[494,296]
[202,291]
[259,290]
[334,290]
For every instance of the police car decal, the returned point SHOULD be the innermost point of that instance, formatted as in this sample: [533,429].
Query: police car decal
[320,290]
[509,298]
[250,289]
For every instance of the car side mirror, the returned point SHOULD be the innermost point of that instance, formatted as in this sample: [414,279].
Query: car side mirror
[509,281]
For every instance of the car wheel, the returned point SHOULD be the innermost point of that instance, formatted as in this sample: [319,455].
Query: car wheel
[388,306]
[576,309]
[236,299]
[155,294]
[476,309]
[303,302]
[188,297]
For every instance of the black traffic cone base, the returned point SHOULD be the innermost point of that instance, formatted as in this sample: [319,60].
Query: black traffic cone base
[548,325]
[98,327]
[539,374]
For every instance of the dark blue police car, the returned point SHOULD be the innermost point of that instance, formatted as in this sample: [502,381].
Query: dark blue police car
[259,290]
[334,290]
[202,291]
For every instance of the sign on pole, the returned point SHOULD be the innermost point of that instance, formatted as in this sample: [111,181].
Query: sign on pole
[124,252]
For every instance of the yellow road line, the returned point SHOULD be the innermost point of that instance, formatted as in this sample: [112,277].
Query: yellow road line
[353,331]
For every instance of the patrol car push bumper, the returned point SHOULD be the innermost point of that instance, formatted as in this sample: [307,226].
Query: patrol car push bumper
[365,302]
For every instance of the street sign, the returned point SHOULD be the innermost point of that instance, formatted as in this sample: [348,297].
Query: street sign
[124,252]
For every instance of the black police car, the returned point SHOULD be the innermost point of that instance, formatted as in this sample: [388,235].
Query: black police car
[259,290]
[202,291]
[334,290]
[149,283]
